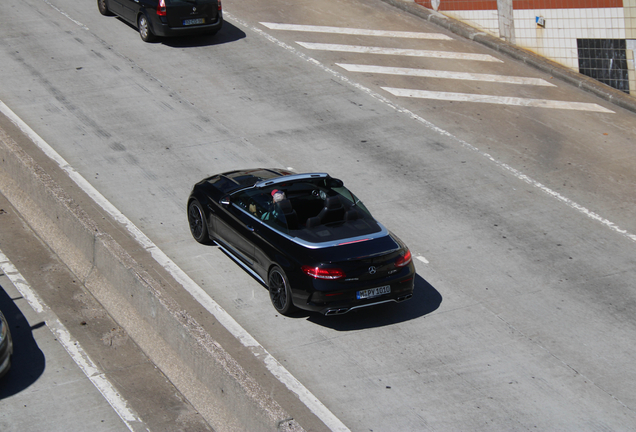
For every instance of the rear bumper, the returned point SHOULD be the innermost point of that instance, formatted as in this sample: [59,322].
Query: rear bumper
[401,290]
[164,30]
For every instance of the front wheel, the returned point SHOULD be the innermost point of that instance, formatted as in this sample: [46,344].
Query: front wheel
[144,29]
[279,291]
[198,223]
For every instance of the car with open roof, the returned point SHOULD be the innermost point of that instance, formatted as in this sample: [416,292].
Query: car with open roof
[306,237]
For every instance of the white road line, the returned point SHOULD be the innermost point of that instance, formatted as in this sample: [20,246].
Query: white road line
[355,31]
[500,100]
[226,320]
[398,51]
[72,346]
[79,24]
[428,73]
[421,258]
[516,173]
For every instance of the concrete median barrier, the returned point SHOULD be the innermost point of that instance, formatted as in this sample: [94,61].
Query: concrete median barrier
[214,382]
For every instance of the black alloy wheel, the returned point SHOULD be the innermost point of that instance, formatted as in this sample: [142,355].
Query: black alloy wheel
[102,5]
[198,224]
[144,29]
[279,291]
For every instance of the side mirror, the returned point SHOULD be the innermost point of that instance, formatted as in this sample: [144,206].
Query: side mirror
[225,200]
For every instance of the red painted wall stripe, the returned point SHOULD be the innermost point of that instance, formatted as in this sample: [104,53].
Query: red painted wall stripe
[473,5]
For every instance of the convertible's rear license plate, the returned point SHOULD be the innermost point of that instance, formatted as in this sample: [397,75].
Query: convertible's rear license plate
[193,21]
[373,292]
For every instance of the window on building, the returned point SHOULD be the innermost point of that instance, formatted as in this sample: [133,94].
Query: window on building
[604,60]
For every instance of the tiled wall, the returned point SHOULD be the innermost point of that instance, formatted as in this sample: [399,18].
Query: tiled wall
[568,25]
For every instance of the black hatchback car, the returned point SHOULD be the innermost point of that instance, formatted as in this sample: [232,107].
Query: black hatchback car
[167,17]
[305,236]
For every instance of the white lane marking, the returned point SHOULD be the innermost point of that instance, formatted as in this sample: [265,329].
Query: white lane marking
[355,31]
[428,73]
[516,173]
[273,365]
[79,24]
[398,51]
[72,346]
[421,258]
[499,100]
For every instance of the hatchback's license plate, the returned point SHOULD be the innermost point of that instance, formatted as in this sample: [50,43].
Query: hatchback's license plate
[373,292]
[193,21]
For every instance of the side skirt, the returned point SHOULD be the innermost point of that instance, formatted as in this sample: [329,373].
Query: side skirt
[240,262]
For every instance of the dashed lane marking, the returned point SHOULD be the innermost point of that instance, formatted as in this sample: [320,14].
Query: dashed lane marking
[500,100]
[355,31]
[398,52]
[421,258]
[428,73]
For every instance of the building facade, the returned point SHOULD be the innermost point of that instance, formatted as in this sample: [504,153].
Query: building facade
[594,37]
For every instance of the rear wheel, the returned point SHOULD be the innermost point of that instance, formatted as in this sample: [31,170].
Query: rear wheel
[102,5]
[144,29]
[279,291]
[198,224]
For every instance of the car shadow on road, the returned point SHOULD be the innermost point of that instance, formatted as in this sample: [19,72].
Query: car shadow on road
[228,33]
[28,360]
[426,299]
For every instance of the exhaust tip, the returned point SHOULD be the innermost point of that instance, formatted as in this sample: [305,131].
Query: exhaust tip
[339,311]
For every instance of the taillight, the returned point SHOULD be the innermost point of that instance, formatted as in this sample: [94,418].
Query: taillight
[323,273]
[220,5]
[161,8]
[404,259]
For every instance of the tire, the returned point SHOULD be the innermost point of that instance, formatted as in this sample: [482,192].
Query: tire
[144,29]
[279,291]
[102,5]
[198,223]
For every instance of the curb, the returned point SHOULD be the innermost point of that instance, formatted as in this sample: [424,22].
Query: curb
[543,64]
[229,398]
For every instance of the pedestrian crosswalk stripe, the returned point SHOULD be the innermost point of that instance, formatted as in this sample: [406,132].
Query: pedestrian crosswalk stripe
[500,100]
[398,51]
[355,31]
[428,73]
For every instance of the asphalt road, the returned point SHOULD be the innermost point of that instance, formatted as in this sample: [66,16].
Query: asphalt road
[520,216]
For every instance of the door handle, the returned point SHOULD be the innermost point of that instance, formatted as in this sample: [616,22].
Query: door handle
[250,228]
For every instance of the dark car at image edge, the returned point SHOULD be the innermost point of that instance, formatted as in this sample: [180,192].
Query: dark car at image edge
[316,246]
[6,346]
[167,18]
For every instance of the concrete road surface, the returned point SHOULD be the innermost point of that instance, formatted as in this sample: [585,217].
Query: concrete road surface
[514,191]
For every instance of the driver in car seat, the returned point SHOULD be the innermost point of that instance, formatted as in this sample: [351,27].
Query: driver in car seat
[272,213]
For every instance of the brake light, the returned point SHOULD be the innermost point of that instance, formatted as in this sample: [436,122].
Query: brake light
[323,273]
[220,5]
[161,8]
[404,259]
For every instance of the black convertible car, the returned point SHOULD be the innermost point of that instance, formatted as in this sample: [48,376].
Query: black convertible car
[305,236]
